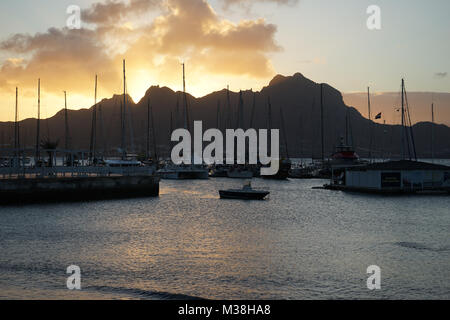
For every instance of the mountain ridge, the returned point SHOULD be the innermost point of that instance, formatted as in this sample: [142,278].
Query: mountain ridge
[298,96]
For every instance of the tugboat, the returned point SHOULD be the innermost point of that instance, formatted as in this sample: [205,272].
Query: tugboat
[246,193]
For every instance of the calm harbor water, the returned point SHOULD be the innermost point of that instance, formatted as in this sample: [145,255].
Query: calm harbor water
[299,244]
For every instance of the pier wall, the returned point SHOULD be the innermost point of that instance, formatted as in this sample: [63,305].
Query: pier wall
[77,188]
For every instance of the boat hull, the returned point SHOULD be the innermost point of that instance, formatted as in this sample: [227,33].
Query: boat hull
[240,195]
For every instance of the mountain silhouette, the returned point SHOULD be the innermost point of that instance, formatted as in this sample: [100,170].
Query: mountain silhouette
[298,97]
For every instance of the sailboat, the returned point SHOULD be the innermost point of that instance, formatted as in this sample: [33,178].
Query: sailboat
[285,162]
[125,161]
[184,171]
[345,153]
[240,171]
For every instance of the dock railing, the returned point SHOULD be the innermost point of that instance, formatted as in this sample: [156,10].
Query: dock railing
[64,172]
[57,166]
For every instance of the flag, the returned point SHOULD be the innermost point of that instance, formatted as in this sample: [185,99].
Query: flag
[378,116]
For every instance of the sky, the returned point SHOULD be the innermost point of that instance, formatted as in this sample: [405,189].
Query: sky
[240,43]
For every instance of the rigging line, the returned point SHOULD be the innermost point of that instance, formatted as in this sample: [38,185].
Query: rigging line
[410,127]
[404,122]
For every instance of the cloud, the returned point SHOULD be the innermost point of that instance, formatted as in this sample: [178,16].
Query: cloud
[182,30]
[112,11]
[441,75]
[64,58]
[248,3]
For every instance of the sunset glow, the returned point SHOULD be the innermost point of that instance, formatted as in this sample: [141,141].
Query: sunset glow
[242,44]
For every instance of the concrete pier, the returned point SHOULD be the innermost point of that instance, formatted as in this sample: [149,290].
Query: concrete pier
[56,189]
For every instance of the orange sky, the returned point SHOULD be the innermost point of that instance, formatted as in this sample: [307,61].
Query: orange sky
[216,51]
[241,43]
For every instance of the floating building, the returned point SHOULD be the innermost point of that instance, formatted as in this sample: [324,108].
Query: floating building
[394,177]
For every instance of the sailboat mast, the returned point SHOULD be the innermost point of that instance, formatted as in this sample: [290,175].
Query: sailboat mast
[218,115]
[66,122]
[148,129]
[155,149]
[38,124]
[321,122]
[177,113]
[300,129]
[241,111]
[253,110]
[171,130]
[370,124]
[269,120]
[283,126]
[269,113]
[102,130]
[346,129]
[403,119]
[16,125]
[94,123]
[432,132]
[185,99]
[123,111]
[228,125]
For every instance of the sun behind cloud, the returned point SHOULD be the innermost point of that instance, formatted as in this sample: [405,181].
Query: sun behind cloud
[216,51]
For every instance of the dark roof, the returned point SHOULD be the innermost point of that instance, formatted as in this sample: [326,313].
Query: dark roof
[402,165]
